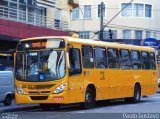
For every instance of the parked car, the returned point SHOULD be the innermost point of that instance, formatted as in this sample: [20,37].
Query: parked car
[6,87]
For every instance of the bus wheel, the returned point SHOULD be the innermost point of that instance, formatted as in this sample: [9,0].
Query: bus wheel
[56,106]
[137,94]
[89,99]
[45,106]
[8,100]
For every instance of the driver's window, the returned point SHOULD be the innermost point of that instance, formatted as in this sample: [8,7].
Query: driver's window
[19,66]
[75,62]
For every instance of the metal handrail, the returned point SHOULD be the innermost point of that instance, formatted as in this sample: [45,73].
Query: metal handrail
[32,18]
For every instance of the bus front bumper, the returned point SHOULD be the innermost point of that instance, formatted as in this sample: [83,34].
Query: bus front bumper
[42,99]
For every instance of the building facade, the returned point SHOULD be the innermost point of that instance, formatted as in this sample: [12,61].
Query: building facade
[33,18]
[138,20]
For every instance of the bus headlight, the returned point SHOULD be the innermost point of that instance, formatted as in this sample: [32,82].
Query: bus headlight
[60,88]
[20,90]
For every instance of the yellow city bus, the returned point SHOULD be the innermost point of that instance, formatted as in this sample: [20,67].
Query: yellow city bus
[71,70]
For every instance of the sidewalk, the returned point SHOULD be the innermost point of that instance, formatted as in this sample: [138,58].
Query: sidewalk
[13,107]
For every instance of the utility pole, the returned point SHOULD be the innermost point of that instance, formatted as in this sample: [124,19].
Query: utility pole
[101,24]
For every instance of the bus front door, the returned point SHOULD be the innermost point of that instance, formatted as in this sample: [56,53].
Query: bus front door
[76,90]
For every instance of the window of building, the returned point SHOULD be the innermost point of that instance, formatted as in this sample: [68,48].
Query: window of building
[106,34]
[145,60]
[138,10]
[4,12]
[114,35]
[99,11]
[156,35]
[13,10]
[138,34]
[113,58]
[75,61]
[127,34]
[87,11]
[57,19]
[148,34]
[127,11]
[135,60]
[100,57]
[84,34]
[153,61]
[87,57]
[125,59]
[148,10]
[23,1]
[75,13]
[31,2]
[24,11]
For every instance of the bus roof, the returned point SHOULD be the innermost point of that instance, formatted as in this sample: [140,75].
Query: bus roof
[94,42]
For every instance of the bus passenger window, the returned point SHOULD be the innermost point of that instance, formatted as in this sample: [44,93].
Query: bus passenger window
[87,56]
[145,60]
[100,57]
[113,58]
[135,60]
[153,62]
[75,62]
[125,59]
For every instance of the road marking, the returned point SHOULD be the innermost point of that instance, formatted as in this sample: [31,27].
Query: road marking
[99,110]
[155,97]
[118,107]
[132,105]
[52,116]
[148,103]
[157,102]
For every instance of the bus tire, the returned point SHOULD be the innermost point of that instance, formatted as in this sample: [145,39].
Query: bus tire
[45,106]
[8,100]
[90,100]
[136,96]
[137,93]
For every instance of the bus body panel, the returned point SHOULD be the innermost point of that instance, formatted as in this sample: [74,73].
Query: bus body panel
[109,83]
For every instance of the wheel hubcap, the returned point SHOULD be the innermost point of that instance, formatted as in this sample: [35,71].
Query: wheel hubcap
[137,95]
[88,98]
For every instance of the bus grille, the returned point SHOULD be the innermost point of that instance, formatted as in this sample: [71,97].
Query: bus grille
[39,92]
[38,87]
[39,97]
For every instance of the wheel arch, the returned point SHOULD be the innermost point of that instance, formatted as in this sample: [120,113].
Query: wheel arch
[92,87]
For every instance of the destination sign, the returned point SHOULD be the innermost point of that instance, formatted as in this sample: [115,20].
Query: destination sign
[41,44]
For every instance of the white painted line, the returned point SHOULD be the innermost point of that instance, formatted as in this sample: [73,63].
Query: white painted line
[157,102]
[132,105]
[117,107]
[155,97]
[52,116]
[148,103]
[99,110]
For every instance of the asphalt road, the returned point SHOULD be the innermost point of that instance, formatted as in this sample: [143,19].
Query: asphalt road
[148,108]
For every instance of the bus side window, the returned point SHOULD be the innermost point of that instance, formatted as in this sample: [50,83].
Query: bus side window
[113,58]
[87,56]
[125,59]
[153,61]
[145,60]
[135,60]
[75,61]
[100,57]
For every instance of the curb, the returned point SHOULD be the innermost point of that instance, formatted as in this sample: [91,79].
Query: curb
[19,109]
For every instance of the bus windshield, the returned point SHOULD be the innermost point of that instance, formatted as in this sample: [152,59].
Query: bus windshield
[40,66]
